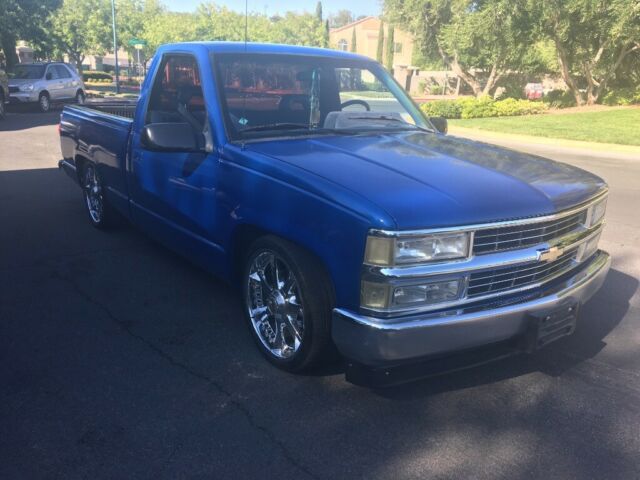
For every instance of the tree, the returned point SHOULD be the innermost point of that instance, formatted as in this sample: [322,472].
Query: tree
[325,42]
[592,39]
[479,40]
[25,20]
[319,11]
[390,48]
[340,18]
[82,27]
[354,46]
[380,47]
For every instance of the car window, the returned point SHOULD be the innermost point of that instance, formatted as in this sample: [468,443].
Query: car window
[52,73]
[62,71]
[177,95]
[28,72]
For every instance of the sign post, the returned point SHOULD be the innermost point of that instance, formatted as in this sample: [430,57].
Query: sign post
[138,44]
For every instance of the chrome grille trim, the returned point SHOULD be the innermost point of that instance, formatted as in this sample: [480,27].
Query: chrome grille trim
[509,238]
[504,279]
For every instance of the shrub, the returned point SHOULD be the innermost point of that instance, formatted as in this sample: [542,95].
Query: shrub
[622,96]
[559,99]
[442,108]
[482,107]
[96,76]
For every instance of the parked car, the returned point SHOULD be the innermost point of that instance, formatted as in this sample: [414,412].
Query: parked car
[4,92]
[344,217]
[534,91]
[44,84]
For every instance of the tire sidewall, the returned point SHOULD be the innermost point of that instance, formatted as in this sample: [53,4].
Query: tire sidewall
[41,107]
[80,97]
[300,358]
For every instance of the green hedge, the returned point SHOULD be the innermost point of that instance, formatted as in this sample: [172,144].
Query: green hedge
[622,96]
[559,99]
[96,76]
[482,107]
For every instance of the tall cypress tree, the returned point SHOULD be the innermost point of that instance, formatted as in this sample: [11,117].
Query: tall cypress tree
[326,34]
[354,47]
[319,11]
[380,49]
[390,49]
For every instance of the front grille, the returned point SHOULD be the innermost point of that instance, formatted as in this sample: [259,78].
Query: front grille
[519,236]
[14,89]
[502,279]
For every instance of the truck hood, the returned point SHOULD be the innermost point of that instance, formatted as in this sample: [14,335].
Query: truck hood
[424,180]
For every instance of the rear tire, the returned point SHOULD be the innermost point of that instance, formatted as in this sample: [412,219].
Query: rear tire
[2,107]
[80,97]
[288,301]
[101,214]
[44,102]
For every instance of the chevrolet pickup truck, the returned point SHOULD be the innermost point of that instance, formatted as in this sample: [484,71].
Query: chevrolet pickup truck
[310,180]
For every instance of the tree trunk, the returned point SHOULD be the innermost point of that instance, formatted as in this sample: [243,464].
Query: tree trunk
[566,74]
[494,76]
[461,72]
[8,43]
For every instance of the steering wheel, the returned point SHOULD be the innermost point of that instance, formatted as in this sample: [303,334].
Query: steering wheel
[355,101]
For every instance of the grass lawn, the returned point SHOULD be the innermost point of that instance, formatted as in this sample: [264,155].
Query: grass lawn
[621,126]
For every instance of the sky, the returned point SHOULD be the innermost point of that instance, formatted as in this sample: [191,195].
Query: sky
[272,7]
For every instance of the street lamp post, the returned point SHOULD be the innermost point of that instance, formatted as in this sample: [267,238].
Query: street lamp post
[115,44]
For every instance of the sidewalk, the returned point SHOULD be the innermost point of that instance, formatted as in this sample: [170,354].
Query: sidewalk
[542,144]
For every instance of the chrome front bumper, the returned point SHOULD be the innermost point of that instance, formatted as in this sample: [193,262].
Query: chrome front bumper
[375,341]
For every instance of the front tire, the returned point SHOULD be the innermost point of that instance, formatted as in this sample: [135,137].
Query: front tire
[100,212]
[44,102]
[80,98]
[288,302]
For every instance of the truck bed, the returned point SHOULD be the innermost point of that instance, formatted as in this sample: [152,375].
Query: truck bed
[119,108]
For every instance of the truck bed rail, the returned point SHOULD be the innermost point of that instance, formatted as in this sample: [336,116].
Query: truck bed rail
[119,109]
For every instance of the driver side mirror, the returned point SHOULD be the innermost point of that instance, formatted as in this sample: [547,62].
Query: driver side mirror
[171,137]
[48,76]
[440,123]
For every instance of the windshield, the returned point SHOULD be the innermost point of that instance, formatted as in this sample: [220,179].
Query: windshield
[28,72]
[276,95]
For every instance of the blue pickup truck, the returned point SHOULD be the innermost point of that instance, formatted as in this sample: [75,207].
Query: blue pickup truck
[310,179]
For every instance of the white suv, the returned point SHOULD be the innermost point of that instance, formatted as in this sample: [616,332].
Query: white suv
[44,84]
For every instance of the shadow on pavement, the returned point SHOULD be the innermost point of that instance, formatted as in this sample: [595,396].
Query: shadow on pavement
[115,348]
[22,118]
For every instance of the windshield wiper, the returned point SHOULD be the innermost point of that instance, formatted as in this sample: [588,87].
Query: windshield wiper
[276,126]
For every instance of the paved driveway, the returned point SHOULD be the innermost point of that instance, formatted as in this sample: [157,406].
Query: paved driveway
[120,360]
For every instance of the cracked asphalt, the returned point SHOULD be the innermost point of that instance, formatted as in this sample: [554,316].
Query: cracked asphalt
[118,359]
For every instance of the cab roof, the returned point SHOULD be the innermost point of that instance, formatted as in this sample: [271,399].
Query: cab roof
[265,48]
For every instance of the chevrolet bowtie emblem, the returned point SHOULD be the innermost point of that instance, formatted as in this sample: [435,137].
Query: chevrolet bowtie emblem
[550,255]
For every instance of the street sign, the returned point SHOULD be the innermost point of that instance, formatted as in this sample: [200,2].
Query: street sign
[134,42]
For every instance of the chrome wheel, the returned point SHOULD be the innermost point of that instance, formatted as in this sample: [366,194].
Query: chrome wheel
[274,304]
[93,193]
[45,104]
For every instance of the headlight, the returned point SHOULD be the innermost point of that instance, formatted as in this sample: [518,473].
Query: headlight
[27,87]
[389,297]
[390,251]
[595,214]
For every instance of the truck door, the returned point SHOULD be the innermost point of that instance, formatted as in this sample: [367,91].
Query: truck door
[173,194]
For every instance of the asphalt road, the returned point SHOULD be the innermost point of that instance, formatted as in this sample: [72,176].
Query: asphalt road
[118,359]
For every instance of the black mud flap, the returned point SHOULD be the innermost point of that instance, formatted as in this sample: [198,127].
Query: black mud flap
[548,326]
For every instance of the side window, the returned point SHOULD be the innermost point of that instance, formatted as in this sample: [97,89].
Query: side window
[51,74]
[176,95]
[62,71]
